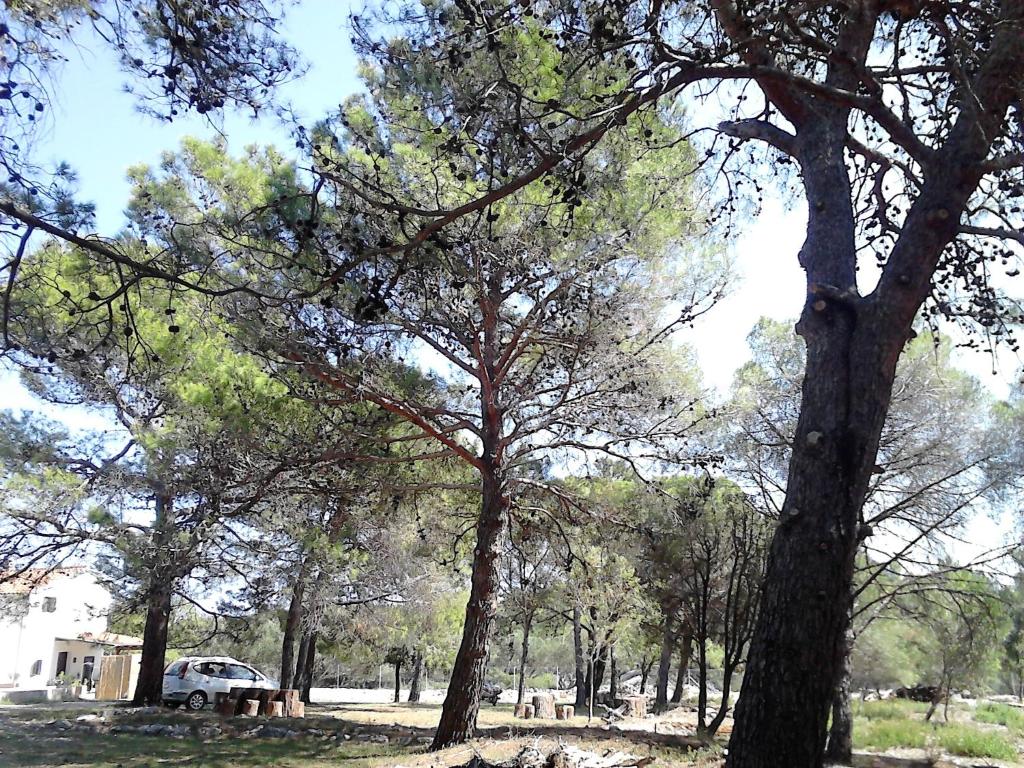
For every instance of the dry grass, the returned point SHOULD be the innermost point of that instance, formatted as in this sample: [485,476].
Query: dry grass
[427,715]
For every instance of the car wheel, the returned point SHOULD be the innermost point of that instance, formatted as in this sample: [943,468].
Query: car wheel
[172,704]
[196,701]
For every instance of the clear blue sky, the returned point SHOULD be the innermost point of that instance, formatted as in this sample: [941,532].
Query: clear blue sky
[95,126]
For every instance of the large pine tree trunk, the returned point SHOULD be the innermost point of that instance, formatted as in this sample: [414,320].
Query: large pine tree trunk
[291,627]
[664,666]
[523,658]
[685,649]
[462,702]
[417,675]
[149,688]
[840,734]
[398,681]
[852,349]
[305,677]
[579,656]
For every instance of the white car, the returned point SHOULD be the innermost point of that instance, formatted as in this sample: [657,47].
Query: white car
[194,680]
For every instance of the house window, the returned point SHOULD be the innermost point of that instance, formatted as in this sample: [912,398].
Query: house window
[37,668]
[49,604]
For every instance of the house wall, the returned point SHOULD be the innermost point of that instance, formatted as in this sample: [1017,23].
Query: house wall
[80,605]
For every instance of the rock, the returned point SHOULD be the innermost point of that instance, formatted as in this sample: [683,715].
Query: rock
[378,738]
[273,732]
[88,719]
[62,725]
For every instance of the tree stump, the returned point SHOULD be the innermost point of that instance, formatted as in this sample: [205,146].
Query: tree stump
[275,709]
[636,706]
[250,707]
[565,711]
[298,709]
[524,711]
[290,697]
[544,706]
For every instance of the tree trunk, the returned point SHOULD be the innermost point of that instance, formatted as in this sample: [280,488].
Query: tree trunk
[600,664]
[579,656]
[664,665]
[303,680]
[684,664]
[613,677]
[852,349]
[300,661]
[307,670]
[417,675]
[702,685]
[523,659]
[840,735]
[723,709]
[149,688]
[398,681]
[462,702]
[291,628]
[645,672]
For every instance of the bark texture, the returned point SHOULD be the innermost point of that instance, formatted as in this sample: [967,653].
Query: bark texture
[149,689]
[840,734]
[291,628]
[579,657]
[853,344]
[664,665]
[523,658]
[417,675]
[462,702]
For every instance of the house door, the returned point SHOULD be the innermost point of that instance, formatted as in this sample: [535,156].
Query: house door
[62,662]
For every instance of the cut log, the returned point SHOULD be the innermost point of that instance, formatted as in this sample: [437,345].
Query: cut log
[250,707]
[565,711]
[275,709]
[524,711]
[290,697]
[636,706]
[298,709]
[544,706]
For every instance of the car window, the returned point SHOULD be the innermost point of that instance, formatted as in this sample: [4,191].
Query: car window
[212,669]
[175,668]
[238,672]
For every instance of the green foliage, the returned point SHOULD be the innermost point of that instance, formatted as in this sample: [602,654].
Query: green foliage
[1000,714]
[965,740]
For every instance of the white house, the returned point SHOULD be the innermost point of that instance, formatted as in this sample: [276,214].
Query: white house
[53,627]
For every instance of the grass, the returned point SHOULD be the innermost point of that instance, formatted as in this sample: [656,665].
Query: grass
[962,739]
[1000,714]
[77,750]
[24,745]
[888,709]
[427,715]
